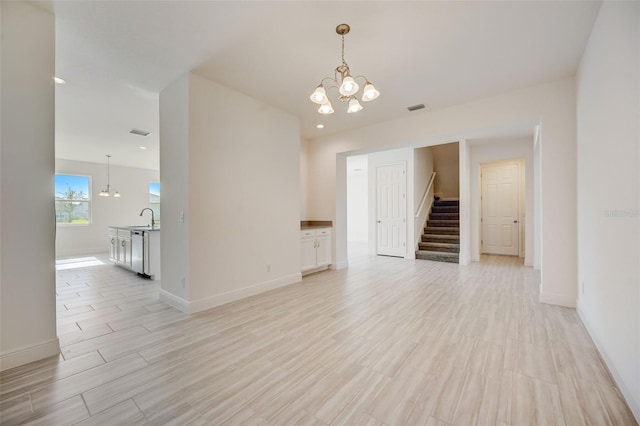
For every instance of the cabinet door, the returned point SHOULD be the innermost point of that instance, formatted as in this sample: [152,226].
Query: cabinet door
[122,251]
[323,249]
[113,248]
[127,252]
[308,253]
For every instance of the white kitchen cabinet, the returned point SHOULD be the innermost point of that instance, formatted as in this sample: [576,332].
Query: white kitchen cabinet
[152,254]
[112,236]
[124,248]
[315,249]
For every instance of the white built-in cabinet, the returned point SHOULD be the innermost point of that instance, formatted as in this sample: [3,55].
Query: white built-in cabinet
[120,246]
[315,249]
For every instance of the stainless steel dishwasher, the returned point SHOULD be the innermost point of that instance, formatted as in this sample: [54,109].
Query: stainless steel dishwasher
[137,251]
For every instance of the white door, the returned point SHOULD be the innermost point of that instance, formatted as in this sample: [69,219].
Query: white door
[391,183]
[323,247]
[308,250]
[500,208]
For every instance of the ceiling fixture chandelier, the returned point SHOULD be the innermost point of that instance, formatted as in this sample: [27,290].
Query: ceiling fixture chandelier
[108,191]
[345,83]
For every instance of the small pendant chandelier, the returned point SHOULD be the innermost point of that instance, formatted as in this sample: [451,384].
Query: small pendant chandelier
[109,191]
[345,83]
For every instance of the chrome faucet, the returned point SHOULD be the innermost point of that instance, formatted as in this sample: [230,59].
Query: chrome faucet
[153,221]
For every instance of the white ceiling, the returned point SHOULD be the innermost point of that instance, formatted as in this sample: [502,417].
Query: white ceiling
[118,55]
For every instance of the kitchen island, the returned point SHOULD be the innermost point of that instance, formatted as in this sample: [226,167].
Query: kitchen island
[136,248]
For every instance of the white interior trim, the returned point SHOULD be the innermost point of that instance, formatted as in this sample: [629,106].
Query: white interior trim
[231,296]
[29,354]
[617,378]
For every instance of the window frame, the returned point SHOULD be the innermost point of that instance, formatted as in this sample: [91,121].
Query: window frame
[151,204]
[88,201]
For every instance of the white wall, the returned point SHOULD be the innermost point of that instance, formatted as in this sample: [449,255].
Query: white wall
[608,135]
[27,216]
[174,187]
[133,185]
[487,151]
[382,158]
[243,206]
[357,199]
[304,190]
[513,113]
[422,171]
[446,163]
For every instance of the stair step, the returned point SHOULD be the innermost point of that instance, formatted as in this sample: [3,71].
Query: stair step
[440,247]
[446,203]
[445,209]
[443,223]
[444,216]
[437,256]
[449,230]
[439,238]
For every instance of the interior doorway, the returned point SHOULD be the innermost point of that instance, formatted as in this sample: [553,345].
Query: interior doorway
[502,194]
[391,207]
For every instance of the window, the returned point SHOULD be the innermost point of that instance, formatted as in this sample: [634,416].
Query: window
[73,198]
[154,199]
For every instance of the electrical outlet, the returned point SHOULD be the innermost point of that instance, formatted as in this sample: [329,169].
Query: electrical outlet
[181,217]
[183,282]
[268,267]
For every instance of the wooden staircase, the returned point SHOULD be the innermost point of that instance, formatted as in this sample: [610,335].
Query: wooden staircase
[441,237]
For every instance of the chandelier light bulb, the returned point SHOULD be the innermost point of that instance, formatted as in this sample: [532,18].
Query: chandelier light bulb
[326,108]
[369,93]
[319,96]
[349,86]
[354,106]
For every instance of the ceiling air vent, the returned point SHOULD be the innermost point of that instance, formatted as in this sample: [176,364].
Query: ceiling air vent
[139,132]
[415,107]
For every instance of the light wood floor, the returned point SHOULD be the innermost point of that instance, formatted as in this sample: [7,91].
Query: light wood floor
[386,341]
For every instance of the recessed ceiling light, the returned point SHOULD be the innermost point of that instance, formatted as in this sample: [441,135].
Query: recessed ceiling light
[320,126]
[59,80]
[139,132]
[143,147]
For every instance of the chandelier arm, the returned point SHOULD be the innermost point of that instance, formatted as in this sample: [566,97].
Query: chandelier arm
[363,77]
[331,79]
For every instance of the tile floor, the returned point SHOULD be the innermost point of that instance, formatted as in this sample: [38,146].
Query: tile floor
[385,342]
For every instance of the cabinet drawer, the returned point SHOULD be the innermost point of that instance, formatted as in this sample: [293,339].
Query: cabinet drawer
[323,232]
[307,233]
[124,233]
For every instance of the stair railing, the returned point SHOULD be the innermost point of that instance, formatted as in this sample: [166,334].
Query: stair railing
[428,195]
[422,213]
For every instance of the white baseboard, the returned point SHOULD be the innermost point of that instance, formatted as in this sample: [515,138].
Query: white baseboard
[231,296]
[340,265]
[80,252]
[617,377]
[29,354]
[175,301]
[557,299]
